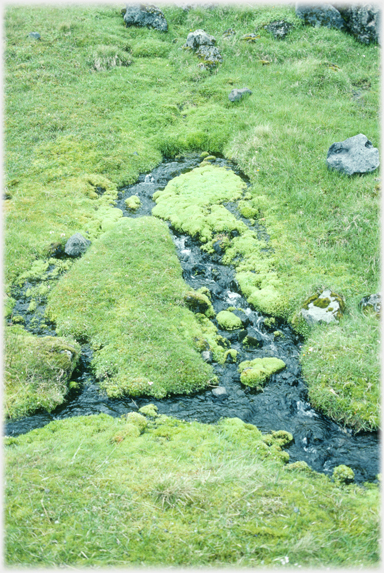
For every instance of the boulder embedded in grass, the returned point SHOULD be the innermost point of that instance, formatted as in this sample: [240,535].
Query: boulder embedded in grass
[371,303]
[237,95]
[199,38]
[320,15]
[142,15]
[353,155]
[76,245]
[324,307]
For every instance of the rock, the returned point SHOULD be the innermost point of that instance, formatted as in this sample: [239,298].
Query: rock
[199,38]
[76,245]
[354,155]
[145,15]
[199,302]
[207,356]
[220,393]
[279,29]
[209,56]
[237,95]
[371,303]
[325,307]
[228,321]
[250,38]
[35,35]
[320,15]
[362,21]
[243,317]
[254,338]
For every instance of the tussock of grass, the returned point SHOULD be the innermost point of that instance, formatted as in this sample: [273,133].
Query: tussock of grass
[218,495]
[133,314]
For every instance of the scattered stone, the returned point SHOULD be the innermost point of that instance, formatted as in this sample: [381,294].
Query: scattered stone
[371,303]
[320,15]
[228,33]
[243,317]
[279,29]
[250,38]
[325,307]
[220,393]
[199,38]
[253,338]
[207,356]
[145,15]
[354,155]
[237,95]
[35,35]
[209,56]
[76,245]
[362,21]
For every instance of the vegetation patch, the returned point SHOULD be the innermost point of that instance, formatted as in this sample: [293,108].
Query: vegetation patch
[38,370]
[132,313]
[257,371]
[221,496]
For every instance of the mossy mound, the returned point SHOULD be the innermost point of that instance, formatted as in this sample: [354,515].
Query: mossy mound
[38,370]
[133,202]
[343,474]
[228,320]
[199,302]
[257,371]
[126,297]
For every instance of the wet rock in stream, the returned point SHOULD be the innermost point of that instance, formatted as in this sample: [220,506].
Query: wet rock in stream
[282,404]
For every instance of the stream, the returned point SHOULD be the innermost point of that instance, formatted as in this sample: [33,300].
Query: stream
[283,403]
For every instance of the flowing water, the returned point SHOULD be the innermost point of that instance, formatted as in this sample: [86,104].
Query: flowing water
[283,403]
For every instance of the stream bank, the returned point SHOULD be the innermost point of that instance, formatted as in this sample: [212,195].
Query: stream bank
[283,403]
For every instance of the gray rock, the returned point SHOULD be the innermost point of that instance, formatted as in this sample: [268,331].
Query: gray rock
[320,15]
[35,35]
[220,393]
[371,303]
[207,356]
[76,245]
[199,38]
[279,29]
[209,56]
[325,307]
[354,155]
[362,21]
[236,95]
[145,15]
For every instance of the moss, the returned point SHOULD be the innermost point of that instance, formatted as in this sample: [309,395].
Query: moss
[133,202]
[322,302]
[269,321]
[127,431]
[137,420]
[257,371]
[230,355]
[204,154]
[269,300]
[343,474]
[9,304]
[199,302]
[149,410]
[38,370]
[300,466]
[228,320]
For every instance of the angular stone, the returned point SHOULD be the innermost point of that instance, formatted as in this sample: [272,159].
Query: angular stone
[279,29]
[76,245]
[353,155]
[325,307]
[320,15]
[362,21]
[220,393]
[207,356]
[371,303]
[199,38]
[209,56]
[35,35]
[145,15]
[237,95]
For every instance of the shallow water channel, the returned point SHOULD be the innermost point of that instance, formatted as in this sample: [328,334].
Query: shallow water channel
[283,404]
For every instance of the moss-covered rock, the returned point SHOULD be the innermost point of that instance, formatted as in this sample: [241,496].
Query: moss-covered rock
[133,202]
[149,410]
[326,307]
[343,474]
[257,371]
[228,321]
[137,420]
[199,302]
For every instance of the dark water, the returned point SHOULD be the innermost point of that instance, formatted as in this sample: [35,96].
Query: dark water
[283,405]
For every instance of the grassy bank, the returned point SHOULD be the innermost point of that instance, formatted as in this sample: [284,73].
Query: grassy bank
[94,104]
[181,494]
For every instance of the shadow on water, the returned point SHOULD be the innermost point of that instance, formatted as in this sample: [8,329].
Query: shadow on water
[283,403]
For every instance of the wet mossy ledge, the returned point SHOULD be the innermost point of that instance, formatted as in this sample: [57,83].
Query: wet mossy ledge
[220,495]
[126,297]
[38,371]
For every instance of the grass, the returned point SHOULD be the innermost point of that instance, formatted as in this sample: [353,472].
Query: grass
[219,495]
